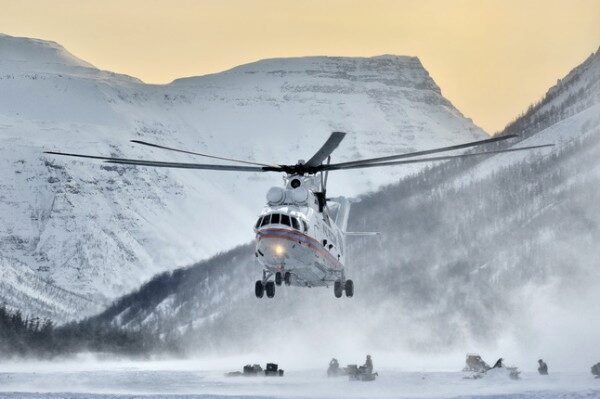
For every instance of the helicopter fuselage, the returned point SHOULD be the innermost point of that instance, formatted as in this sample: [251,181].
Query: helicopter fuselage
[298,238]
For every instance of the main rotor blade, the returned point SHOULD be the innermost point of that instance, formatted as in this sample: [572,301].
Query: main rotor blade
[427,152]
[179,165]
[330,145]
[198,153]
[430,159]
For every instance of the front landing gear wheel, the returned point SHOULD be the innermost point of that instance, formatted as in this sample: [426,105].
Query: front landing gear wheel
[337,289]
[287,278]
[278,278]
[259,289]
[270,288]
[349,288]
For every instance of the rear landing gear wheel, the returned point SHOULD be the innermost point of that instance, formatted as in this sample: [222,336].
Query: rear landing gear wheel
[278,278]
[270,288]
[337,289]
[349,288]
[287,278]
[259,289]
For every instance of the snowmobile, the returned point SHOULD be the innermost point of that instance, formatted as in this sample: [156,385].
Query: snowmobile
[252,370]
[356,373]
[273,370]
[334,369]
[476,364]
[255,370]
[498,369]
[249,370]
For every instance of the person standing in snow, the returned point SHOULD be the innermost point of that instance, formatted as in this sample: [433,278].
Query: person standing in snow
[596,370]
[368,367]
[334,368]
[543,367]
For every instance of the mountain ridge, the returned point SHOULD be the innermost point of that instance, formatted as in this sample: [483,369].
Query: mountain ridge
[98,231]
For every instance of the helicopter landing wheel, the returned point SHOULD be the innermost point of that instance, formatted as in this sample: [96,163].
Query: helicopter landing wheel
[278,278]
[337,289]
[287,278]
[259,289]
[349,288]
[270,289]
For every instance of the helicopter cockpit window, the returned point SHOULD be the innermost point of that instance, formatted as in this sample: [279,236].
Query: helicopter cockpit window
[305,225]
[295,223]
[285,219]
[275,218]
[265,220]
[258,222]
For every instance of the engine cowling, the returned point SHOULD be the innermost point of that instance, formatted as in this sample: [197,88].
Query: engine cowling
[275,196]
[299,195]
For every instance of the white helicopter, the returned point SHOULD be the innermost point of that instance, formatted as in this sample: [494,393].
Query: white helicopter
[300,239]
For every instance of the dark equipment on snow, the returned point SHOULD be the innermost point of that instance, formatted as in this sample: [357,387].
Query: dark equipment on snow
[272,370]
[334,369]
[362,373]
[251,370]
[498,364]
[476,364]
[596,370]
[480,369]
[356,373]
[543,367]
[255,370]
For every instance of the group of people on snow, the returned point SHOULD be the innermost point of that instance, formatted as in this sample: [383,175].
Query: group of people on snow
[476,364]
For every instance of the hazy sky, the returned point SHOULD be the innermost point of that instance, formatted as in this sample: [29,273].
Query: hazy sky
[491,58]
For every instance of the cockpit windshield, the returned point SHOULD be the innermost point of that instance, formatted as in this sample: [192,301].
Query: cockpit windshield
[265,220]
[283,219]
[275,218]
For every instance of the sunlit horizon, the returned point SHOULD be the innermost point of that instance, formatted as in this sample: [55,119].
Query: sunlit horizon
[491,59]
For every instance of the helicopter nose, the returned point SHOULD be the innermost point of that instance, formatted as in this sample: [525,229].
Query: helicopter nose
[278,250]
[273,250]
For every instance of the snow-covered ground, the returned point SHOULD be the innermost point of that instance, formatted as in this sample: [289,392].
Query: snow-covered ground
[168,379]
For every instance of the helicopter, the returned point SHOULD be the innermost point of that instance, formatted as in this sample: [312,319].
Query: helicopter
[301,233]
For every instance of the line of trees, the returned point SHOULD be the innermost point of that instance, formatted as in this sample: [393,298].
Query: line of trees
[23,336]
[33,337]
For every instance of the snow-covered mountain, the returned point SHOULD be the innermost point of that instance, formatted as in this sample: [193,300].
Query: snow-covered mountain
[76,233]
[473,254]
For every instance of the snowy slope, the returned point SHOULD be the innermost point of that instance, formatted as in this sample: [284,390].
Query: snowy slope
[86,229]
[498,254]
[570,111]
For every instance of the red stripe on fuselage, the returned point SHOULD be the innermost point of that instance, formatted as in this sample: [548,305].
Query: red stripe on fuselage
[295,236]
